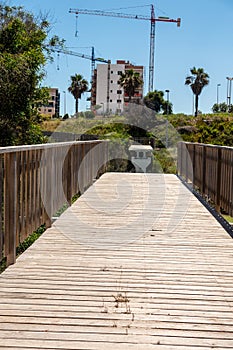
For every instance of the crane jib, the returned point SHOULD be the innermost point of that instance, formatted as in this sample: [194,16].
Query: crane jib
[123,15]
[108,14]
[150,18]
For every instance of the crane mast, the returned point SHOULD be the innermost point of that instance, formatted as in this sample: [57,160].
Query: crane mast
[152,50]
[150,18]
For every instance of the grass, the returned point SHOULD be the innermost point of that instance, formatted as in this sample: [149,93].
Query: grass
[228,218]
[50,125]
[24,245]
[30,240]
[3,265]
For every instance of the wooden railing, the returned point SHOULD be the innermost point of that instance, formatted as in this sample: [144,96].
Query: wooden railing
[36,181]
[209,168]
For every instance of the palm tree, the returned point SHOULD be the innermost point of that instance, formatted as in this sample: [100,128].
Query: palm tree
[78,86]
[130,81]
[197,81]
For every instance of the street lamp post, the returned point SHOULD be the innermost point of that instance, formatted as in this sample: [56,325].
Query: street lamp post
[64,92]
[229,80]
[218,85]
[167,91]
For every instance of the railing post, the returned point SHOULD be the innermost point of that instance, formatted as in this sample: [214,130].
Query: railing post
[46,190]
[69,175]
[10,202]
[194,166]
[1,206]
[178,158]
[219,173]
[186,162]
[203,170]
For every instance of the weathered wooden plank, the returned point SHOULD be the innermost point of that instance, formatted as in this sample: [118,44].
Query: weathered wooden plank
[125,337]
[135,263]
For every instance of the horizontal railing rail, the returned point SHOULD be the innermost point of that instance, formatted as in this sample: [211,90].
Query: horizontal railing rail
[38,180]
[209,168]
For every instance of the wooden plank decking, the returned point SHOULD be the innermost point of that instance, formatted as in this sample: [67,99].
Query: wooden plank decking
[136,263]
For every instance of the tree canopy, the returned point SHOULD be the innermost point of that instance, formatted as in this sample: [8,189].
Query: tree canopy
[24,51]
[222,108]
[78,86]
[197,81]
[155,101]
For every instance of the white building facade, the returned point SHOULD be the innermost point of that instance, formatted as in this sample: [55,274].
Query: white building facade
[108,92]
[52,109]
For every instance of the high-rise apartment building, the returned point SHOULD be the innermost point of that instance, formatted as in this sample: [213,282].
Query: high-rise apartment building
[52,109]
[107,92]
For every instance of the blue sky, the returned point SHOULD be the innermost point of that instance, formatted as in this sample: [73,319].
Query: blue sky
[203,40]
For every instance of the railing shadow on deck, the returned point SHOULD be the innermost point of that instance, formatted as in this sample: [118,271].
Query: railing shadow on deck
[38,180]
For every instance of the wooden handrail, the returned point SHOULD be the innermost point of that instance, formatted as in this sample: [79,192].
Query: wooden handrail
[11,149]
[38,180]
[209,168]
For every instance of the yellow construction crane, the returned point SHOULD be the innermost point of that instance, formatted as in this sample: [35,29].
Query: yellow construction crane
[150,18]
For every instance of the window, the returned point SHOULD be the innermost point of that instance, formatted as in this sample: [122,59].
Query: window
[111,91]
[141,154]
[111,81]
[110,100]
[111,71]
[118,110]
[119,72]
[133,154]
[49,110]
[118,101]
[119,92]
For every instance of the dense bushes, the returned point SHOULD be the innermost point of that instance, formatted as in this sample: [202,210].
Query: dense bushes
[206,128]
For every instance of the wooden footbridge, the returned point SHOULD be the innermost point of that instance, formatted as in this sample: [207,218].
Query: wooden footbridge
[137,262]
